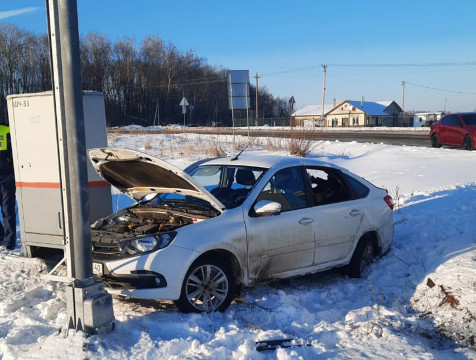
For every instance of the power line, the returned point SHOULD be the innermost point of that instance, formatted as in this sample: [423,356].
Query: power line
[201,81]
[432,88]
[465,63]
[387,65]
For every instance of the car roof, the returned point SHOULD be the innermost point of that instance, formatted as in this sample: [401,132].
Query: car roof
[463,113]
[265,161]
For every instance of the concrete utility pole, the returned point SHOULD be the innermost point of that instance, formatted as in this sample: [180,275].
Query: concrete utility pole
[403,100]
[323,93]
[291,108]
[403,96]
[256,112]
[89,306]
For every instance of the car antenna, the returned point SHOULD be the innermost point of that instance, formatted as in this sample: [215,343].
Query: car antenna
[236,157]
[241,151]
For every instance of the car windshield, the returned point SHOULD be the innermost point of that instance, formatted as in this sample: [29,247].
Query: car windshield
[229,184]
[470,119]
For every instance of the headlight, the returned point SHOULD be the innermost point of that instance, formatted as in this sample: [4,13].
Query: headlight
[146,244]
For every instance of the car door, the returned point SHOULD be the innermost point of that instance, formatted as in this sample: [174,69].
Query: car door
[451,132]
[456,132]
[337,213]
[284,242]
[444,130]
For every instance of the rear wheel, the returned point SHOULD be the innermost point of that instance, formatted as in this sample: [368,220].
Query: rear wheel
[468,143]
[208,286]
[435,142]
[363,256]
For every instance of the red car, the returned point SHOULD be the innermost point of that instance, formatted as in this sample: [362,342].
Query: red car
[455,130]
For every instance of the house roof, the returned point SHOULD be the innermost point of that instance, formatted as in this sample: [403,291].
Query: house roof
[385,103]
[313,110]
[370,107]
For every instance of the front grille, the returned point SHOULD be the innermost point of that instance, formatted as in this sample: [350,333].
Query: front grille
[106,250]
[104,245]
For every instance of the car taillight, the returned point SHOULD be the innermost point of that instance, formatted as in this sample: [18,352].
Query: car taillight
[388,199]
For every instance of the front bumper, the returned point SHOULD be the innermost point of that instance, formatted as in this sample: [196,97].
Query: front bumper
[140,280]
[157,275]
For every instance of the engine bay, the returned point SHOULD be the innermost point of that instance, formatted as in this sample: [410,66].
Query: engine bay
[143,220]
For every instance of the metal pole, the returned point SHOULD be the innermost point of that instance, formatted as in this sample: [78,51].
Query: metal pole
[247,121]
[69,98]
[256,96]
[155,114]
[324,93]
[68,102]
[232,115]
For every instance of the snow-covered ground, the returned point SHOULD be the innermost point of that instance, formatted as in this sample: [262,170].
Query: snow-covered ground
[417,302]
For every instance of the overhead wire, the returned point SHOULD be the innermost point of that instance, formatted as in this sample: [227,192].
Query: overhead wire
[450,91]
[387,65]
[216,79]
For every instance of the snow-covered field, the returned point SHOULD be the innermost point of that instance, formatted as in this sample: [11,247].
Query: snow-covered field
[417,302]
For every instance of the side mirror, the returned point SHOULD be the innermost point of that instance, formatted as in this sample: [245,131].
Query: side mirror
[267,208]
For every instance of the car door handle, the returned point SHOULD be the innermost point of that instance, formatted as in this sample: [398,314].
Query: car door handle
[305,221]
[355,212]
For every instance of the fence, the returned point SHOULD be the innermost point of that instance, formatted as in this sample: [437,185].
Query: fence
[262,122]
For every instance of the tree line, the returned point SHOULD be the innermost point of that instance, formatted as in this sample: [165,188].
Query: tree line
[141,82]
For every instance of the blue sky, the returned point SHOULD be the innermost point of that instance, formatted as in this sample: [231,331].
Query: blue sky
[286,42]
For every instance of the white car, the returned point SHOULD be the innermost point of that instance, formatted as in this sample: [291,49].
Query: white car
[196,236]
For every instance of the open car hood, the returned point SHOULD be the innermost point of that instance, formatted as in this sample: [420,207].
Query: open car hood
[137,174]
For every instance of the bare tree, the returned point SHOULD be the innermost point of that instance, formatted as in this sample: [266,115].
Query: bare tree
[134,79]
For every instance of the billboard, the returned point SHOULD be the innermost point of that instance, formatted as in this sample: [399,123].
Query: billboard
[238,84]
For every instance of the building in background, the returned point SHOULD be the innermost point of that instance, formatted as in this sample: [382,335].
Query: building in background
[352,113]
[426,118]
[310,115]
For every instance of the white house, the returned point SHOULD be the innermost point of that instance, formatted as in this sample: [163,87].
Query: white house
[426,118]
[310,115]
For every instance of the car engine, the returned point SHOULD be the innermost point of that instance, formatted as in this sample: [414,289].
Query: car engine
[138,221]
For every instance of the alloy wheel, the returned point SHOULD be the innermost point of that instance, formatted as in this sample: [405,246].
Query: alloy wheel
[206,287]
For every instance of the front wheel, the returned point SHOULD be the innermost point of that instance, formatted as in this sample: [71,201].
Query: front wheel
[468,143]
[363,256]
[435,142]
[208,286]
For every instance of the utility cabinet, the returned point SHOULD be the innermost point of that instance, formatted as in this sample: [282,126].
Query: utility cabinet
[37,172]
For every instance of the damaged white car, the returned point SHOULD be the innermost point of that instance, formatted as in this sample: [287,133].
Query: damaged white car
[196,236]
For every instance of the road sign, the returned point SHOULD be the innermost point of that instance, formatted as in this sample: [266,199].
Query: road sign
[184,104]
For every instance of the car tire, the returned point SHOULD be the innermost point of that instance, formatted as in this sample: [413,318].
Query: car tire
[468,143]
[208,286]
[361,259]
[435,142]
